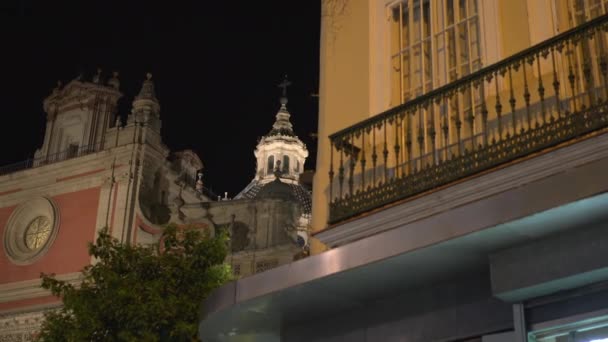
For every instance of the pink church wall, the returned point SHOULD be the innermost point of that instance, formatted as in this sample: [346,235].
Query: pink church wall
[78,216]
[23,303]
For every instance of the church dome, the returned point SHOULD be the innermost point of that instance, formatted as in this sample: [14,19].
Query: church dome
[280,151]
[294,192]
[276,190]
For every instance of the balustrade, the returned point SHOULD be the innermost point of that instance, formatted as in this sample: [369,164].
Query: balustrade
[50,159]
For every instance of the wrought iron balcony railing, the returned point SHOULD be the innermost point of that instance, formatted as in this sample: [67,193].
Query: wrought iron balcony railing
[50,159]
[543,96]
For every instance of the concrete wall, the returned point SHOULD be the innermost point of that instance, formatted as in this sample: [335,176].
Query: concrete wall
[343,89]
[446,311]
[262,230]
[568,260]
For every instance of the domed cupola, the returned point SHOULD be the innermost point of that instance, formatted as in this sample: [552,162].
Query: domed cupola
[280,156]
[280,144]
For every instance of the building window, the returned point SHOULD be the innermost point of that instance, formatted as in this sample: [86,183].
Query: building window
[265,265]
[579,12]
[285,164]
[163,197]
[37,233]
[236,270]
[270,166]
[72,151]
[432,43]
[30,230]
[583,10]
[591,330]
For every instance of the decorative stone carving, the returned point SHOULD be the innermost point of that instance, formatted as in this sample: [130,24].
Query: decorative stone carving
[22,327]
[30,230]
[12,337]
[114,82]
[239,236]
[38,232]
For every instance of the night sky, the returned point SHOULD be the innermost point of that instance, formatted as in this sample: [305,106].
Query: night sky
[216,66]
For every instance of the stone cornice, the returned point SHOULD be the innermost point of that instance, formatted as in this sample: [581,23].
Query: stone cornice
[281,139]
[76,88]
[11,191]
[263,252]
[61,178]
[31,288]
[76,165]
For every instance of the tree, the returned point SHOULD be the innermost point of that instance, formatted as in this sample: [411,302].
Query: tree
[139,293]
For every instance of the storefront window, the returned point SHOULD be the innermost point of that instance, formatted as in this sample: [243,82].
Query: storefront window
[589,330]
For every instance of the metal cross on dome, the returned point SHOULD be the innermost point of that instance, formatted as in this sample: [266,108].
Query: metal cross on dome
[284,85]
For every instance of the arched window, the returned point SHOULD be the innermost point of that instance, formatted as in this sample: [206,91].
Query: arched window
[297,165]
[270,167]
[285,164]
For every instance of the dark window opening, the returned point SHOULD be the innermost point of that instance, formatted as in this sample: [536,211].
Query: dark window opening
[72,150]
[285,164]
[270,167]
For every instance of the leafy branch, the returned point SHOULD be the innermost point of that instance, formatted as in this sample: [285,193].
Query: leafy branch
[139,293]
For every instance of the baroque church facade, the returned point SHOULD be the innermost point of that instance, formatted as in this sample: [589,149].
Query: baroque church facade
[93,171]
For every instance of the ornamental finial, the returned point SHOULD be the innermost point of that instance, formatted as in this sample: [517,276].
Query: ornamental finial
[284,85]
[199,182]
[147,89]
[114,82]
[97,77]
[58,87]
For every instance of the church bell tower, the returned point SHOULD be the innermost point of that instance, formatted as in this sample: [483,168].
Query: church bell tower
[78,116]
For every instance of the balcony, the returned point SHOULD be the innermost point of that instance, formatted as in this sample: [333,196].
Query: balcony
[548,96]
[73,152]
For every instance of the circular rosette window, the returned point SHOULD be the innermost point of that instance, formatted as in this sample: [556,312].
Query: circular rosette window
[30,230]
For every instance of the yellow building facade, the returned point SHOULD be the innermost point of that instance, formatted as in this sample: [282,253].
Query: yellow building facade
[460,190]
[383,58]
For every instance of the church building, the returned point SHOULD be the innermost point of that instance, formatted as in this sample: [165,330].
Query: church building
[94,171]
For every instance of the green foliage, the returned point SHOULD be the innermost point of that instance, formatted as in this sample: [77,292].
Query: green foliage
[139,293]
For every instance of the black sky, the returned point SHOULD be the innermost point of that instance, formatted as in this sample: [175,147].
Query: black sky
[216,66]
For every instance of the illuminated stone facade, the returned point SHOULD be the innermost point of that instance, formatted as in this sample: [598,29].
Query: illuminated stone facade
[94,171]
